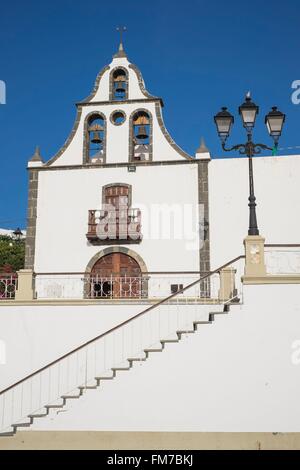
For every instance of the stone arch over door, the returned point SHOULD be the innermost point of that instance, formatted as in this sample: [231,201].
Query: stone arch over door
[116,285]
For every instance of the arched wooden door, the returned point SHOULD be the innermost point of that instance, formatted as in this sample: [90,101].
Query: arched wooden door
[116,275]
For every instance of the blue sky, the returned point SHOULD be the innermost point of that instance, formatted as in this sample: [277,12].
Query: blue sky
[197,55]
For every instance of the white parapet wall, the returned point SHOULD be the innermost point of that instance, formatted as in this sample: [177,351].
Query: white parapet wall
[276,181]
[242,373]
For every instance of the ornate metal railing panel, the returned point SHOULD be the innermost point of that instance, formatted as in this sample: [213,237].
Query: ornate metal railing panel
[8,285]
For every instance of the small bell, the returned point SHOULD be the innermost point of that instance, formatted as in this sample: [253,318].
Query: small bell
[96,139]
[142,133]
[120,87]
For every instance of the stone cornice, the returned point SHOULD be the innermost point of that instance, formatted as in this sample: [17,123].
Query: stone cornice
[272,279]
[118,165]
[120,102]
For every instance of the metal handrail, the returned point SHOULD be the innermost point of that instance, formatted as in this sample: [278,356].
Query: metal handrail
[282,245]
[143,273]
[122,324]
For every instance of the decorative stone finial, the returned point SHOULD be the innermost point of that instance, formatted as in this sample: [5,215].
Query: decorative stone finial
[36,156]
[202,148]
[202,151]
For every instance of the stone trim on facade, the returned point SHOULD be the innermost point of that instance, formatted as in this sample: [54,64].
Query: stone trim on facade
[154,440]
[86,158]
[31,218]
[96,86]
[116,249]
[69,139]
[141,81]
[111,98]
[117,165]
[129,101]
[131,135]
[167,135]
[204,201]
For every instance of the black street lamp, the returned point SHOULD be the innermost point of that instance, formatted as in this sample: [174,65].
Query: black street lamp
[248,111]
[18,234]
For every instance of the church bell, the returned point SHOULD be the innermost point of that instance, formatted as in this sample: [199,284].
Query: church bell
[96,139]
[120,87]
[142,133]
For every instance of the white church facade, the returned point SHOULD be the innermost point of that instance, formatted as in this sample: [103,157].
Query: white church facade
[132,246]
[104,203]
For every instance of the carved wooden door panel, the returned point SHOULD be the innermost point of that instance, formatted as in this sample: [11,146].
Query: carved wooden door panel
[117,275]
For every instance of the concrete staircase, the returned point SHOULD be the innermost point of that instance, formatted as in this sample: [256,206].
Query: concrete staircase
[125,366]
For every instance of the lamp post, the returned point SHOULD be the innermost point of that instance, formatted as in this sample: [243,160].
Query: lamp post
[248,112]
[18,234]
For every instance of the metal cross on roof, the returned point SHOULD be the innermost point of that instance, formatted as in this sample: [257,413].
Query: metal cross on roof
[121,30]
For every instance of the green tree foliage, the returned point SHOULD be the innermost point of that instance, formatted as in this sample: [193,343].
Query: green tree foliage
[12,254]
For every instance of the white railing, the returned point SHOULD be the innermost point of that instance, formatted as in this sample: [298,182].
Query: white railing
[97,357]
[150,286]
[282,259]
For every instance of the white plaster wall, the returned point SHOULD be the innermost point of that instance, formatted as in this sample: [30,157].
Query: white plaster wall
[36,335]
[276,182]
[65,197]
[233,376]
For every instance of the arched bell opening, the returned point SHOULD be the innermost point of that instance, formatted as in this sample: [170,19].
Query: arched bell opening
[95,138]
[141,136]
[119,84]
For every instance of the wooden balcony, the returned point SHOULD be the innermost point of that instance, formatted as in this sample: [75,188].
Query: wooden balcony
[118,226]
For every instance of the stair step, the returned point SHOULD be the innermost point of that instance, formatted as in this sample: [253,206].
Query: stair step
[186,332]
[138,359]
[202,322]
[152,350]
[54,406]
[120,368]
[66,397]
[21,425]
[87,387]
[163,341]
[7,434]
[32,416]
[104,378]
[218,313]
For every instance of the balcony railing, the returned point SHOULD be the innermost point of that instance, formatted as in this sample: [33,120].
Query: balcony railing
[8,285]
[123,225]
